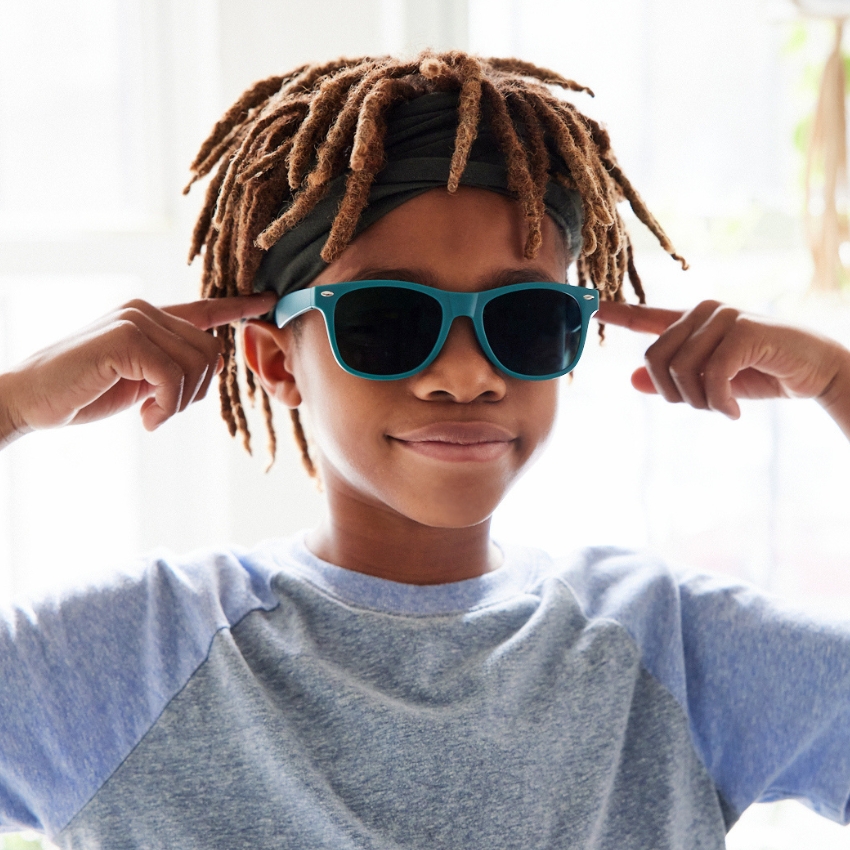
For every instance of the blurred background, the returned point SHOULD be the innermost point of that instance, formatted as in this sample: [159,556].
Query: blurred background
[103,104]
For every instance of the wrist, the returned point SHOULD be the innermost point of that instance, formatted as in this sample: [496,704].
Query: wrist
[12,424]
[835,399]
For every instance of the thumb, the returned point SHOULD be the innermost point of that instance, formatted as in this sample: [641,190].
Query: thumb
[642,382]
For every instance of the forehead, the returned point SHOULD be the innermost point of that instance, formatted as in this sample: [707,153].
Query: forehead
[466,240]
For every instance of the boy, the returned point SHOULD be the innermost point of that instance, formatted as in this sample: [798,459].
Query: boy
[394,678]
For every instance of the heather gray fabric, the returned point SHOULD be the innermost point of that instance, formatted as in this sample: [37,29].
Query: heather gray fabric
[268,699]
[419,146]
[417,749]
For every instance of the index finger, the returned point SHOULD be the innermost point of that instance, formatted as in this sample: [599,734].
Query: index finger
[212,312]
[637,317]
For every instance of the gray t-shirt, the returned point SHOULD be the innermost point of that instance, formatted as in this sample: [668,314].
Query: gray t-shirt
[268,699]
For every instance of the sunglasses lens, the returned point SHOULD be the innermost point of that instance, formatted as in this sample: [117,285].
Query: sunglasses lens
[385,330]
[534,332]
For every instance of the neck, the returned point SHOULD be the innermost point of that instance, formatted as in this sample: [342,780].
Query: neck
[381,542]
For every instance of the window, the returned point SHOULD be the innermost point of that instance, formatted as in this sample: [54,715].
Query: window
[102,105]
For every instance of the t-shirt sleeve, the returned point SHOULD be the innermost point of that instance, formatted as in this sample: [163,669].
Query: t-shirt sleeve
[765,687]
[85,676]
[768,695]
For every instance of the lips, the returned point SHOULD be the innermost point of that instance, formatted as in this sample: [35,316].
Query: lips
[458,441]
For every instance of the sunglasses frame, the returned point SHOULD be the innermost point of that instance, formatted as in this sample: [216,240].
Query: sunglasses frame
[454,305]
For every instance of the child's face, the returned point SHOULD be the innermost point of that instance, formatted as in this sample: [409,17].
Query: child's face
[442,447]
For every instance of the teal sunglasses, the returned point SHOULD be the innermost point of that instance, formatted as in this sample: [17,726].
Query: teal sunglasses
[385,330]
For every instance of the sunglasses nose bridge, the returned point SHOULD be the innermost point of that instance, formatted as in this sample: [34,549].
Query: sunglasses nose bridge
[463,305]
[460,304]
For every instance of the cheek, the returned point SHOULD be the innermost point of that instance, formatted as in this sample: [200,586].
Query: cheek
[540,408]
[346,414]
[348,427]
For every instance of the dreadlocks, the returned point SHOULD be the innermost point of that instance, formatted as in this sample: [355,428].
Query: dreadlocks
[280,145]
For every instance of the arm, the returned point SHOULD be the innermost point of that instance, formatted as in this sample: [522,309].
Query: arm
[713,355]
[162,358]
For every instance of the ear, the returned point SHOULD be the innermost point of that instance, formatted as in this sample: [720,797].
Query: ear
[268,353]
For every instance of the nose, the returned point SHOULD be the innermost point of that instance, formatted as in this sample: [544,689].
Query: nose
[461,371]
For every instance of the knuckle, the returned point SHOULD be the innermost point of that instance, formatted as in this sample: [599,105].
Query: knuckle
[205,358]
[710,377]
[681,366]
[175,371]
[652,353]
[212,347]
[132,315]
[702,313]
[195,359]
[710,305]
[727,313]
[137,304]
[744,322]
[128,328]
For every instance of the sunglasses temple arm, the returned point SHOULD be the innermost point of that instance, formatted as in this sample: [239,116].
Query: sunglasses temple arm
[293,305]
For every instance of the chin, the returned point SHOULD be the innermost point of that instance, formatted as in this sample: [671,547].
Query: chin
[451,514]
[452,501]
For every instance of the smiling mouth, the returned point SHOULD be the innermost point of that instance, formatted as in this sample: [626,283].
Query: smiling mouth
[458,441]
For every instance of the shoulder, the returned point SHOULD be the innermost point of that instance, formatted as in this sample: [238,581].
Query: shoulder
[645,593]
[613,583]
[224,584]
[199,593]
[663,609]
[116,650]
[157,615]
[631,588]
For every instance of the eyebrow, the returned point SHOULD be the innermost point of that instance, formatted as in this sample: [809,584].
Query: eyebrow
[505,277]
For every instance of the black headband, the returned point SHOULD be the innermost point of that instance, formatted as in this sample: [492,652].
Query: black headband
[419,144]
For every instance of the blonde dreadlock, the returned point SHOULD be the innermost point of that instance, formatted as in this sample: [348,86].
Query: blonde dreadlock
[280,145]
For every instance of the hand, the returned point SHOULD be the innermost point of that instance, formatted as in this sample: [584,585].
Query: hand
[712,355]
[161,357]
